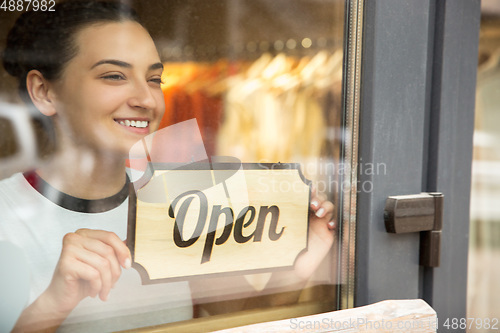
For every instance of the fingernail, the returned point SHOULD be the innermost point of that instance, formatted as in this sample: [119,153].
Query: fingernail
[331,224]
[315,204]
[128,263]
[320,212]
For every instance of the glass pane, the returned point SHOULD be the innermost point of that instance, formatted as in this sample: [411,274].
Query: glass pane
[484,247]
[249,88]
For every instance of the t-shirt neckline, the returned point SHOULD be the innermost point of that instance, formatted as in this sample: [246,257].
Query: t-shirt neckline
[73,203]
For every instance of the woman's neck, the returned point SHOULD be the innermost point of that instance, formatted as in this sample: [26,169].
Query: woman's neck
[85,174]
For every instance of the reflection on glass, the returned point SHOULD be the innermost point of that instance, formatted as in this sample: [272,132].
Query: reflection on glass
[262,79]
[8,144]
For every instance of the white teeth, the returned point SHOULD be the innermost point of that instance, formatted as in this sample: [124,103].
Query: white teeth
[134,123]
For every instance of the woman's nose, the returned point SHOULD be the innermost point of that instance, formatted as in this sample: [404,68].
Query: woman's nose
[143,97]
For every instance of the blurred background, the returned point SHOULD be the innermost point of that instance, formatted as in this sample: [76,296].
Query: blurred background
[484,247]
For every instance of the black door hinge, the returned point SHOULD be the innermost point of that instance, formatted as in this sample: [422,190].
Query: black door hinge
[418,213]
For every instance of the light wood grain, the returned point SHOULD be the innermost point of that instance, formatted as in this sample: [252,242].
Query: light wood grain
[156,251]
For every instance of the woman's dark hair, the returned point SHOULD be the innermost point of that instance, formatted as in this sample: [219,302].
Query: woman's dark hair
[44,40]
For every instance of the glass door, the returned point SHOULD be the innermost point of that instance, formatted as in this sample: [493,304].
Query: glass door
[268,83]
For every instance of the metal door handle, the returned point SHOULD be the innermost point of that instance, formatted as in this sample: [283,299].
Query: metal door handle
[418,213]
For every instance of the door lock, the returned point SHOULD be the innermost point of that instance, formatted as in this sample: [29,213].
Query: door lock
[418,213]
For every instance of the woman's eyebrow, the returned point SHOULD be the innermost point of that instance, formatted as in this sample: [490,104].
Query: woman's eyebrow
[124,64]
[112,62]
[158,65]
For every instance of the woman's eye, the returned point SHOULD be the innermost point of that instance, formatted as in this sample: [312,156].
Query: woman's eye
[113,77]
[156,81]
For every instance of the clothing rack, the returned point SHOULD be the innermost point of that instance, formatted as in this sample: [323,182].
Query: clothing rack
[278,107]
[251,49]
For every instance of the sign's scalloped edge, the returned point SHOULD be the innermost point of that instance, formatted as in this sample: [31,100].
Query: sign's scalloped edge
[204,165]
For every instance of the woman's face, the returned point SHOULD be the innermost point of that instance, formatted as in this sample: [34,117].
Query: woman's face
[109,95]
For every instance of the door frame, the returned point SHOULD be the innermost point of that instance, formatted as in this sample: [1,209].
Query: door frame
[419,69]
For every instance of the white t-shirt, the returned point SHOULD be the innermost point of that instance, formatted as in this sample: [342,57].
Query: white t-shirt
[37,225]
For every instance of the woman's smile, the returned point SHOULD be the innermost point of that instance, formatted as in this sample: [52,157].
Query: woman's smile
[135,125]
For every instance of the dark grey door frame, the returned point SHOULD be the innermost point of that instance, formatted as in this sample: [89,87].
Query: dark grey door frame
[417,120]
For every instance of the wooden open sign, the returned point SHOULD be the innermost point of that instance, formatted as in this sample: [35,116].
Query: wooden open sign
[203,219]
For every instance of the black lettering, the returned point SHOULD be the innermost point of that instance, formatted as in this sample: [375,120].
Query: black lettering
[212,227]
[181,217]
[275,215]
[185,200]
[238,225]
[261,220]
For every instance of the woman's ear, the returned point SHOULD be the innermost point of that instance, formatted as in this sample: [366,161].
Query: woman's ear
[39,90]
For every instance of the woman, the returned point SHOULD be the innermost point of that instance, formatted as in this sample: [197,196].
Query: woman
[94,69]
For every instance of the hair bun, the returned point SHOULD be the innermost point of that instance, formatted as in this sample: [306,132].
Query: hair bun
[19,47]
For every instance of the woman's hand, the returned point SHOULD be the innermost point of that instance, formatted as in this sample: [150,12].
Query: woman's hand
[321,236]
[89,266]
